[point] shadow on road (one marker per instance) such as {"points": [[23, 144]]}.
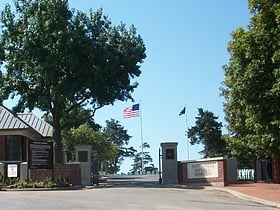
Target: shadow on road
{"points": [[142, 181], [132, 181]]}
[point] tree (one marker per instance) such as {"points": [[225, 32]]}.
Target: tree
{"points": [[117, 135], [75, 118], [142, 156], [252, 83], [84, 134], [207, 131], [58, 60]]}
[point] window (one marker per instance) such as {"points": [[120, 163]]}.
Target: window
{"points": [[13, 148]]}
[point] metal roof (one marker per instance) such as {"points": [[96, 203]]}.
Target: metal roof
{"points": [[10, 122], [39, 125]]}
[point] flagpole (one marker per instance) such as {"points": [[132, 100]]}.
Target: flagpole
{"points": [[135, 111], [142, 150], [186, 133]]}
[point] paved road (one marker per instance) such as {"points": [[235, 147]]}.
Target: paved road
{"points": [[126, 194]]}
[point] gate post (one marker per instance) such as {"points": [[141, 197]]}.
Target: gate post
{"points": [[83, 155], [95, 167], [276, 170], [169, 163]]}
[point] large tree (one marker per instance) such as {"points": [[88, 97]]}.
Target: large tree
{"points": [[141, 161], [117, 135], [57, 59], [208, 131], [252, 83]]}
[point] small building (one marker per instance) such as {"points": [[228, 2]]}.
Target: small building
{"points": [[26, 149], [15, 134]]}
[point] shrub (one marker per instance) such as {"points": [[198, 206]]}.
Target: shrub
{"points": [[49, 182]]}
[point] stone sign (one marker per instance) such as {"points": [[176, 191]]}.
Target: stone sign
{"points": [[200, 170]]}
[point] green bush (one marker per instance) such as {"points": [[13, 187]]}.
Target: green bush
{"points": [[11, 181], [61, 181], [49, 182]]}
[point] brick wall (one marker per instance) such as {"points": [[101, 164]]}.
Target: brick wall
{"points": [[221, 179], [69, 171], [40, 174]]}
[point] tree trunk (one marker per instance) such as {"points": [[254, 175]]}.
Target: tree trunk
{"points": [[58, 147]]}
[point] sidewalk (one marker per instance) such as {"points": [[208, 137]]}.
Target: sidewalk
{"points": [[265, 193]]}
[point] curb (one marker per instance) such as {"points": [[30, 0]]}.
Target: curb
{"points": [[45, 189], [248, 197], [77, 187]]}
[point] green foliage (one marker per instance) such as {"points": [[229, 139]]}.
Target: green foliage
{"points": [[74, 118], [110, 143], [207, 131], [84, 134], [252, 83], [117, 135], [56, 59], [142, 156], [59, 181], [11, 181], [49, 182]]}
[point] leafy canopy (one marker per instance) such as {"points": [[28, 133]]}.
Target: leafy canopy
{"points": [[141, 161], [208, 131], [252, 83], [117, 135], [56, 59], [85, 135], [54, 55]]}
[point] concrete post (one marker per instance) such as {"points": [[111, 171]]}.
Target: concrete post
{"points": [[169, 163], [24, 171], [83, 156]]}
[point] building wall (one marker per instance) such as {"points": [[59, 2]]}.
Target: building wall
{"points": [[2, 148], [25, 149], [69, 171]]}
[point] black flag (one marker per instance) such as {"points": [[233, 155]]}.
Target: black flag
{"points": [[183, 111]]}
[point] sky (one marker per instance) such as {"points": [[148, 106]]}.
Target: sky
{"points": [[186, 46]]}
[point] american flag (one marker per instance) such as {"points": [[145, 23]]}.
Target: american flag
{"points": [[132, 111]]}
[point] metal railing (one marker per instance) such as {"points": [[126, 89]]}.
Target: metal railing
{"points": [[245, 174]]}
